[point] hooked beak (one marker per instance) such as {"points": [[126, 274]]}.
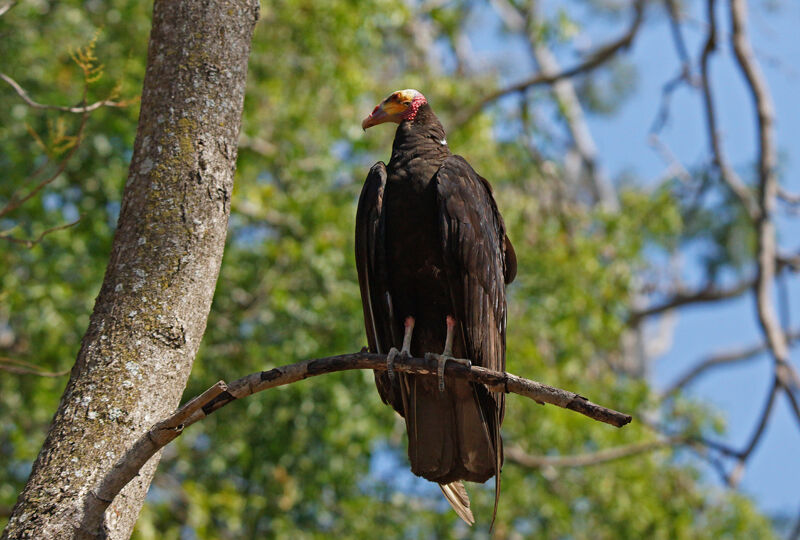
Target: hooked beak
{"points": [[389, 110], [378, 116]]}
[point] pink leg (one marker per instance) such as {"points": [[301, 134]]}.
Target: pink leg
{"points": [[405, 351], [448, 352]]}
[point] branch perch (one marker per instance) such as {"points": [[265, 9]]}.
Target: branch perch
{"points": [[222, 394]]}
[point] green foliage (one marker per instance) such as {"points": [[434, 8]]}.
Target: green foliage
{"points": [[324, 457]]}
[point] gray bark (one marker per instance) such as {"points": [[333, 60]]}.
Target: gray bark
{"points": [[152, 309]]}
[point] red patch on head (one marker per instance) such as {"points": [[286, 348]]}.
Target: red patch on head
{"points": [[418, 101]]}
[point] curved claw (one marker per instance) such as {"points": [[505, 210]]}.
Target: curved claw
{"points": [[393, 352], [441, 360]]}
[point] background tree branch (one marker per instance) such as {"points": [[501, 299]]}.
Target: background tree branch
{"points": [[83, 109], [727, 173], [719, 360], [517, 455], [593, 60]]}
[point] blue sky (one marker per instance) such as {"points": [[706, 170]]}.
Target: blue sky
{"points": [[772, 474]]}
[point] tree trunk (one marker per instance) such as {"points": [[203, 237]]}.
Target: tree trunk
{"points": [[153, 306]]}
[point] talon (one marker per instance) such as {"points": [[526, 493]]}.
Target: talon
{"points": [[442, 360], [393, 352]]}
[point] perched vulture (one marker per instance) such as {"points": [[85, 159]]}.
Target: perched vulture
{"points": [[433, 262]]}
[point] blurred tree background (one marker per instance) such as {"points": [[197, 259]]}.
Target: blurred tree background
{"points": [[325, 458]]}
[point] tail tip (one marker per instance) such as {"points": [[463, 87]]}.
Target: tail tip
{"points": [[456, 495]]}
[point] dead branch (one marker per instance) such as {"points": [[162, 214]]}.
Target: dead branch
{"points": [[29, 243], [77, 110], [711, 293], [520, 457], [684, 74], [794, 403], [571, 110], [789, 261], [20, 367], [722, 359], [736, 474], [222, 394], [727, 173], [708, 294], [768, 181], [673, 11], [675, 168], [788, 197], [594, 60], [527, 22]]}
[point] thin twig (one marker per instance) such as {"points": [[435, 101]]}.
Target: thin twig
{"points": [[16, 202], [28, 243], [77, 110], [728, 175], [787, 197], [594, 60], [790, 261], [677, 35], [793, 402], [21, 367], [221, 394], [684, 74], [722, 359], [674, 167], [519, 456], [736, 475], [571, 110], [708, 294]]}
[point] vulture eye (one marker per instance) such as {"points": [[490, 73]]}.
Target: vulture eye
{"points": [[406, 103]]}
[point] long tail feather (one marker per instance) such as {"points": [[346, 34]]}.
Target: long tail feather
{"points": [[456, 495], [498, 455]]}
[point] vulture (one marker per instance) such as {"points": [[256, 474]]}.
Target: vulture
{"points": [[433, 262]]}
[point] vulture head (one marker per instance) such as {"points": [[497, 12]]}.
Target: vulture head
{"points": [[399, 106]]}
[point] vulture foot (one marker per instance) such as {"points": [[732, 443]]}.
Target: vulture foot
{"points": [[393, 352], [405, 352], [442, 360], [448, 353]]}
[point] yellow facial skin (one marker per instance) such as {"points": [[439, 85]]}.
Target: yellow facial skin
{"points": [[390, 109]]}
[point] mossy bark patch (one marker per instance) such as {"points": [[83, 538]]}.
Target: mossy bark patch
{"points": [[151, 312]]}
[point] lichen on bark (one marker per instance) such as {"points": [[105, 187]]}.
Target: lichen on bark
{"points": [[151, 312]]}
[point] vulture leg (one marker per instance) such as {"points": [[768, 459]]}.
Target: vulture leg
{"points": [[448, 353], [405, 352]]}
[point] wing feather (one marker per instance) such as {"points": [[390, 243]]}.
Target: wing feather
{"points": [[371, 265], [479, 262]]}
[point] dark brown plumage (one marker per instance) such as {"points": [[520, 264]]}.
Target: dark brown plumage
{"points": [[430, 243]]}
